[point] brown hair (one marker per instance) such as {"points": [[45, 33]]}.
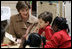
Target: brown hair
{"points": [[20, 5], [46, 16]]}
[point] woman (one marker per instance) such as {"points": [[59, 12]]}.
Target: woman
{"points": [[60, 38], [19, 23]]}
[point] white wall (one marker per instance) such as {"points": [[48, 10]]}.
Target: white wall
{"points": [[11, 4], [68, 14]]}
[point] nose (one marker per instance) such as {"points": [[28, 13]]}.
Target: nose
{"points": [[25, 12]]}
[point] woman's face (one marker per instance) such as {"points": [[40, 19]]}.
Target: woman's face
{"points": [[24, 12]]}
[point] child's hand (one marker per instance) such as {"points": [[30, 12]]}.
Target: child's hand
{"points": [[37, 28], [43, 34]]}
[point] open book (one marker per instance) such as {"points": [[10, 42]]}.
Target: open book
{"points": [[10, 37]]}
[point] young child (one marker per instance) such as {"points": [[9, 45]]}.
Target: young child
{"points": [[60, 38], [33, 40], [44, 22]]}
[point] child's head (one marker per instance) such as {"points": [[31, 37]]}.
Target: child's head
{"points": [[45, 19], [59, 23], [33, 40]]}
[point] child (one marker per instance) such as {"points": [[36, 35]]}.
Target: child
{"points": [[60, 38], [45, 20], [33, 40]]}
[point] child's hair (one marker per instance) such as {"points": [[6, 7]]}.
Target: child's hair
{"points": [[61, 23], [34, 40], [46, 16]]}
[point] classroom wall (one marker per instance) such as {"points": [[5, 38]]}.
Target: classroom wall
{"points": [[11, 4], [40, 8], [55, 8], [46, 7]]}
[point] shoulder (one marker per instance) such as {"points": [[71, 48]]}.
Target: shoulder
{"points": [[61, 32], [13, 16], [57, 35], [48, 27]]}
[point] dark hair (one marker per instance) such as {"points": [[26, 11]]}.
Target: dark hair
{"points": [[61, 23], [46, 16], [34, 40], [20, 5]]}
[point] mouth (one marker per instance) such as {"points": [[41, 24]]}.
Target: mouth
{"points": [[25, 14]]}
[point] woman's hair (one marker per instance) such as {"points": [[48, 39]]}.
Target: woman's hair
{"points": [[20, 5], [61, 23]]}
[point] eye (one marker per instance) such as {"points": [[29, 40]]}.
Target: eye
{"points": [[22, 10]]}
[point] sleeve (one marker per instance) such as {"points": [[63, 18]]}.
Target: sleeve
{"points": [[54, 42], [48, 34], [11, 27], [23, 43], [40, 31]]}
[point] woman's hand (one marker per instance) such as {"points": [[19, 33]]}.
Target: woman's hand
{"points": [[19, 41]]}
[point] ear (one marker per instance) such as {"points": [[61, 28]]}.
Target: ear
{"points": [[47, 23]]}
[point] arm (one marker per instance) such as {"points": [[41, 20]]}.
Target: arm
{"points": [[54, 42], [48, 34], [23, 39], [36, 28], [11, 28]]}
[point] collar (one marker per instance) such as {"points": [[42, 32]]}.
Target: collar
{"points": [[19, 18], [48, 26]]}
